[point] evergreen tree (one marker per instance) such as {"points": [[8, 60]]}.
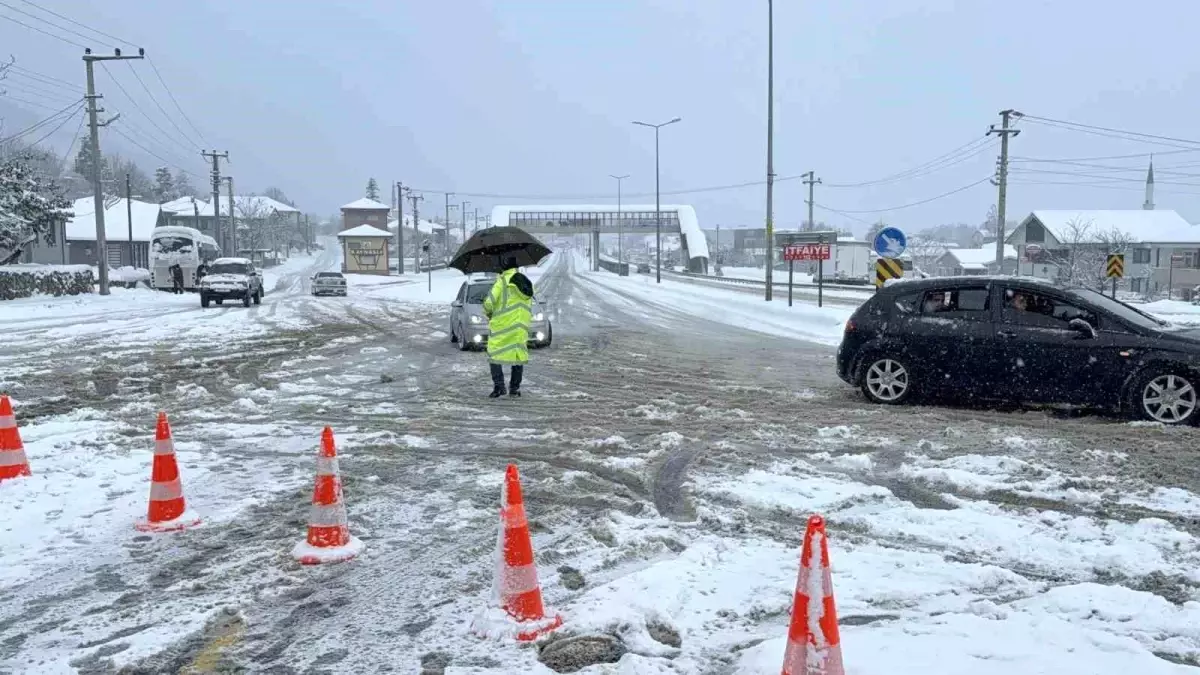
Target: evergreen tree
{"points": [[164, 185], [30, 206], [84, 163], [183, 185], [372, 190]]}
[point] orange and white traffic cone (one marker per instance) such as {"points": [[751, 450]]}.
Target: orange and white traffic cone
{"points": [[329, 539], [813, 643], [13, 463], [515, 589], [168, 510]]}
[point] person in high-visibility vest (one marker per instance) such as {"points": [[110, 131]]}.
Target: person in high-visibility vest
{"points": [[509, 309]]}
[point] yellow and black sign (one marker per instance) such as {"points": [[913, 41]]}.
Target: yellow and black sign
{"points": [[1116, 265], [887, 268]]}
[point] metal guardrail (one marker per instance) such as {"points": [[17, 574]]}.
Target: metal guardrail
{"points": [[864, 289]]}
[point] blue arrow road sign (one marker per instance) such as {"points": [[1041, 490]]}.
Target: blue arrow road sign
{"points": [[890, 242]]}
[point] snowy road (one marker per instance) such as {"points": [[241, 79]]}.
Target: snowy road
{"points": [[670, 454]]}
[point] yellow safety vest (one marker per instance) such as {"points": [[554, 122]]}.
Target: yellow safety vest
{"points": [[509, 313]]}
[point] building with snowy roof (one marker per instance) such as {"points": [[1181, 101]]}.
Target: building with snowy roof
{"points": [[1160, 247], [592, 219], [975, 261], [365, 212], [74, 241], [249, 211], [365, 249]]}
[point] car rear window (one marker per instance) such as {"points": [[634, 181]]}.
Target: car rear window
{"points": [[968, 302], [329, 275]]}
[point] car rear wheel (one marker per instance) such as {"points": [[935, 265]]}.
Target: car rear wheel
{"points": [[886, 380], [1168, 397]]}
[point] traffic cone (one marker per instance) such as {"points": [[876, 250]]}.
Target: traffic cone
{"points": [[813, 643], [515, 588], [13, 463], [168, 511], [329, 538]]}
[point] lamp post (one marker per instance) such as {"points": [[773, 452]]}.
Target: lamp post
{"points": [[657, 206], [620, 227]]}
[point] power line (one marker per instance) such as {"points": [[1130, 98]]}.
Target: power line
{"points": [[1100, 184], [1095, 159], [81, 25], [35, 104], [56, 37], [137, 108], [48, 134], [1092, 175], [938, 163], [49, 78], [911, 204], [67, 154], [1110, 130], [176, 102], [37, 125], [1116, 134], [44, 81], [156, 155], [160, 108], [54, 96]]}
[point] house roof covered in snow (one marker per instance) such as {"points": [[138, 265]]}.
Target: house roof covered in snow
{"points": [[245, 206], [365, 231], [979, 258], [426, 226], [689, 225], [82, 226], [1088, 227], [366, 204], [183, 205]]}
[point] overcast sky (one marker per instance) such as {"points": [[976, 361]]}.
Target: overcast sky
{"points": [[533, 99]]}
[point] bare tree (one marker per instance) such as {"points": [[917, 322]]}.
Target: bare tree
{"points": [[1084, 253], [925, 252]]}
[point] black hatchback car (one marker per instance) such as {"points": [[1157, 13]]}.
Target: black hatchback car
{"points": [[1022, 340]]}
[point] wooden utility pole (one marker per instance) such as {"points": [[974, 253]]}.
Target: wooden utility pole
{"points": [[400, 227], [770, 148], [1002, 179], [232, 216], [97, 189], [129, 216]]}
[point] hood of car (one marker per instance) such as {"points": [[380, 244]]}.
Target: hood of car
{"points": [[226, 278]]}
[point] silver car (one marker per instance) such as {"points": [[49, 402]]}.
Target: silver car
{"points": [[469, 325], [328, 283]]}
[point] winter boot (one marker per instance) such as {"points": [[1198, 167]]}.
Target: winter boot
{"points": [[498, 392]]}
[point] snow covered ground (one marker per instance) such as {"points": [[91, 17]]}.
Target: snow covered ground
{"points": [[672, 444]]}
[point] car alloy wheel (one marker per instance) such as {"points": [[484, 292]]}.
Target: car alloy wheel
{"points": [[887, 380], [1169, 399]]}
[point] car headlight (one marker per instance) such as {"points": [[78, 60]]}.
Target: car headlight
{"points": [[540, 316], [476, 319]]}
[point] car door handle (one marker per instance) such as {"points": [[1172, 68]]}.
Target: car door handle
{"points": [[1008, 334]]}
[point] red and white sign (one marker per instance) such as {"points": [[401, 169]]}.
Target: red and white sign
{"points": [[806, 252], [1032, 251]]}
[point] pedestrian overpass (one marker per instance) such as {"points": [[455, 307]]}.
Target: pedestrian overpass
{"points": [[595, 220]]}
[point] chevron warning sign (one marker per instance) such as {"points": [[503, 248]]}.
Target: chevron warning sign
{"points": [[887, 268], [1115, 269]]}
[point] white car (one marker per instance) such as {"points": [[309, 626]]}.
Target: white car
{"points": [[329, 283]]}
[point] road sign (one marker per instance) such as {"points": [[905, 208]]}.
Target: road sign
{"points": [[1115, 268], [885, 269], [890, 242], [806, 252], [1032, 251]]}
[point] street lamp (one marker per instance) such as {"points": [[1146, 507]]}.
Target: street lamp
{"points": [[620, 229], [657, 207]]}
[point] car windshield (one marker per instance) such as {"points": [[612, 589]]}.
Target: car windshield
{"points": [[173, 245], [1119, 309], [477, 293], [229, 268]]}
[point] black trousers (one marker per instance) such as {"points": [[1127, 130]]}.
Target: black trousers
{"points": [[518, 372]]}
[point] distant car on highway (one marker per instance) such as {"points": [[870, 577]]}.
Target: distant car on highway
{"points": [[643, 268], [469, 325], [1022, 340], [328, 283], [232, 279]]}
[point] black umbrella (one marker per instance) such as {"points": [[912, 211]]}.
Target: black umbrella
{"points": [[488, 250]]}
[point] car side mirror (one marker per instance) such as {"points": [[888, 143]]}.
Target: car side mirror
{"points": [[456, 303], [1082, 327]]}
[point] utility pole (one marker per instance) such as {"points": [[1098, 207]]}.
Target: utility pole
{"points": [[810, 181], [307, 236], [400, 227], [414, 198], [216, 190], [1002, 179], [129, 216], [475, 225], [97, 190], [232, 216], [462, 212], [770, 146], [446, 222], [620, 227]]}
